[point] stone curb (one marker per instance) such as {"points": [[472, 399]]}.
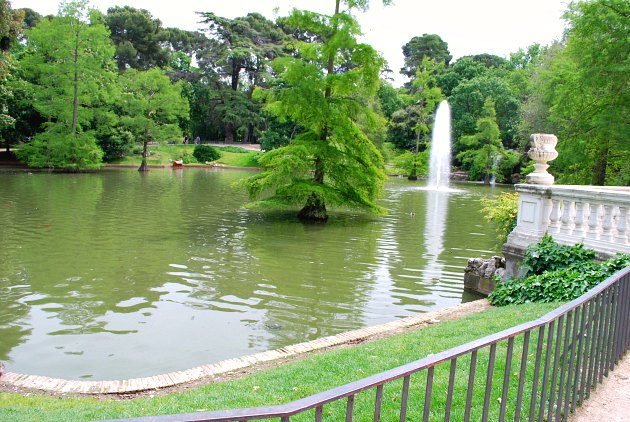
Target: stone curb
{"points": [[135, 385]]}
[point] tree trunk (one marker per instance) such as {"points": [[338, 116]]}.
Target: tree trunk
{"points": [[599, 167], [314, 211], [229, 133], [75, 99], [144, 166], [315, 208]]}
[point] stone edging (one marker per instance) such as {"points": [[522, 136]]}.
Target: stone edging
{"points": [[134, 385]]}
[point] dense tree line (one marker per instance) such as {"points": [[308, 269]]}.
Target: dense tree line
{"points": [[81, 88]]}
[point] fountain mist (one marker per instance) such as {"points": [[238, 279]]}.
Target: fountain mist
{"points": [[440, 154]]}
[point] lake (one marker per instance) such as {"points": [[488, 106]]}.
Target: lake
{"points": [[119, 274]]}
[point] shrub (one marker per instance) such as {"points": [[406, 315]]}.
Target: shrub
{"points": [[555, 273], [502, 211], [205, 153], [547, 255]]}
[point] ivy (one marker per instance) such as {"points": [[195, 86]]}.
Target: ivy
{"points": [[547, 255], [556, 273]]}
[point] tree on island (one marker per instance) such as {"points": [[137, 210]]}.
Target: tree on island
{"points": [[326, 87], [70, 69], [152, 107]]}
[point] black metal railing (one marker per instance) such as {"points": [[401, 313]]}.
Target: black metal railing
{"points": [[537, 371]]}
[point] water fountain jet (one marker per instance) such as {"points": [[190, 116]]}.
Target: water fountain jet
{"points": [[440, 153]]}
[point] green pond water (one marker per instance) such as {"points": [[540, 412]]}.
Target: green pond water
{"points": [[118, 274]]}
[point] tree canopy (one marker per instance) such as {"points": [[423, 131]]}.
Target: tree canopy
{"points": [[326, 87], [69, 65]]}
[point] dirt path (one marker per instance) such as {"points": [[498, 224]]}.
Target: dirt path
{"points": [[610, 402]]}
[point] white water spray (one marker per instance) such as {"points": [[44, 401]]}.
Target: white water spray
{"points": [[440, 153]]}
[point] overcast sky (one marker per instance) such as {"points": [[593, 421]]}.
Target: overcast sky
{"points": [[497, 27]]}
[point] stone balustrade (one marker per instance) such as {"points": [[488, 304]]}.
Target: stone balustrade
{"points": [[596, 216]]}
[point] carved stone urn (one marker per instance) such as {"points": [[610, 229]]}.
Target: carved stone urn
{"points": [[543, 149]]}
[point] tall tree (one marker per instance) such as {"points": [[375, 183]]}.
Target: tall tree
{"points": [[467, 102], [243, 48], [483, 146], [588, 94], [70, 67], [138, 38], [152, 107], [428, 45], [10, 23], [325, 88]]}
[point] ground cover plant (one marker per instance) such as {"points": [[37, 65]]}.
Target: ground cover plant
{"points": [[554, 273], [317, 373]]}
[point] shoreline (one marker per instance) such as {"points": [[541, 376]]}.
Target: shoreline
{"points": [[230, 368]]}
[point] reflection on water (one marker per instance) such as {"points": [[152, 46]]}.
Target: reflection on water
{"points": [[119, 274]]}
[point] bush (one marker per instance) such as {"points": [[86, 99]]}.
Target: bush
{"points": [[206, 153], [555, 273], [547, 255], [502, 211]]}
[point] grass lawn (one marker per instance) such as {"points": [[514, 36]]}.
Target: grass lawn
{"points": [[316, 373], [166, 154]]}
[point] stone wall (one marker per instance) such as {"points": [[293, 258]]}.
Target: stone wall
{"points": [[479, 274]]}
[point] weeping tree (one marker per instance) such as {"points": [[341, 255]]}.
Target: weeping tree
{"points": [[326, 88]]}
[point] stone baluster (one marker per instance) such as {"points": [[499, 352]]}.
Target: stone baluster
{"points": [[608, 223], [554, 216], [622, 227], [580, 227], [568, 208], [594, 227]]}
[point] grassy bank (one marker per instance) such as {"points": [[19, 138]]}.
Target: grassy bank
{"points": [[317, 373], [166, 154]]}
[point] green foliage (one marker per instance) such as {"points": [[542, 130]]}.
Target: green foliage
{"points": [[556, 273], [76, 42], [467, 103], [326, 88], [484, 147], [206, 153], [503, 212], [138, 38], [547, 255], [151, 105], [584, 95], [563, 284], [57, 148], [271, 139], [427, 46], [412, 164]]}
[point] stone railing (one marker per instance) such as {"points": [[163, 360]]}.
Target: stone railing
{"points": [[593, 215], [596, 216]]}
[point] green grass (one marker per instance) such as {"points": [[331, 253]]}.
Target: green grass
{"points": [[316, 373], [237, 159], [165, 154]]}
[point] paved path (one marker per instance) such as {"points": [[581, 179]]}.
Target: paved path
{"points": [[610, 402]]}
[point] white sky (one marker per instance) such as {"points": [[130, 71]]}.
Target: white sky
{"points": [[498, 27]]}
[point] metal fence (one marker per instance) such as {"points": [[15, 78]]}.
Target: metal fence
{"points": [[537, 371]]}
